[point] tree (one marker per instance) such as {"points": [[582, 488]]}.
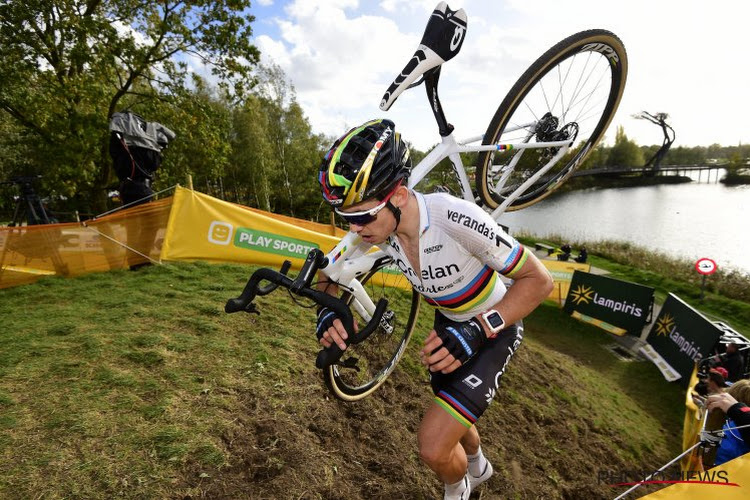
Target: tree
{"points": [[624, 153], [669, 136], [202, 120], [67, 66], [252, 156], [597, 158]]}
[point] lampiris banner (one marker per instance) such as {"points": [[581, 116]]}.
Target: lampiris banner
{"points": [[681, 336], [562, 275], [619, 303]]}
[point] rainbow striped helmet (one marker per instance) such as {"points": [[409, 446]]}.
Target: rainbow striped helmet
{"points": [[366, 162]]}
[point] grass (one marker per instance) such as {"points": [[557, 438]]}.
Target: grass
{"points": [[137, 385], [133, 368], [626, 396]]}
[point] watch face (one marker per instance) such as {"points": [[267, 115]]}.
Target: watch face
{"points": [[494, 320]]}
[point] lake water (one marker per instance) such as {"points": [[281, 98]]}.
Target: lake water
{"points": [[692, 220]]}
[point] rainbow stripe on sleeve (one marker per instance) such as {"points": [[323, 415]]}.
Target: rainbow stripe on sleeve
{"points": [[515, 261]]}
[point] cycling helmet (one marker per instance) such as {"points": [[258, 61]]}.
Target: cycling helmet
{"points": [[367, 162]]}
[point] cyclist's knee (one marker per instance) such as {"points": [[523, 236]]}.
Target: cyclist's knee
{"points": [[435, 455]]}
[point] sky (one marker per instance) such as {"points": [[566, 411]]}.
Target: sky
{"points": [[686, 58]]}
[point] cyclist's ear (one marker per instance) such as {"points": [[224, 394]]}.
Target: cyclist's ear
{"points": [[400, 196]]}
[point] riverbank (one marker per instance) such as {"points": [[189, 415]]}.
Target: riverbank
{"points": [[736, 178], [687, 221], [600, 182]]}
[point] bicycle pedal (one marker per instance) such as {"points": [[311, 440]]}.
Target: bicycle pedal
{"points": [[350, 362]]}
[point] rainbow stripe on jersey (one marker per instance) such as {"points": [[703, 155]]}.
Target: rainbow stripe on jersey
{"points": [[470, 296]]}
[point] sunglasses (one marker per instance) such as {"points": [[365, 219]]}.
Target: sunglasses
{"points": [[365, 216]]}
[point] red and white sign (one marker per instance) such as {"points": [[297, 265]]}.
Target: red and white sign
{"points": [[705, 266]]}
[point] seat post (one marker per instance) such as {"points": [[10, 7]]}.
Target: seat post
{"points": [[431, 85]]}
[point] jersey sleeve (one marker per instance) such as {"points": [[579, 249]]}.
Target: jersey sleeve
{"points": [[480, 235]]}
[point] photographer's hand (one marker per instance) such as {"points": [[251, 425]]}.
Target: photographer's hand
{"points": [[722, 401]]}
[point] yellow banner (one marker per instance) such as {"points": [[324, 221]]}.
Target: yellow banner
{"points": [[616, 330], [691, 427], [116, 241], [201, 227], [729, 481], [562, 274]]}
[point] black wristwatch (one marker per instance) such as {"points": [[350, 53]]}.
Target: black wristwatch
{"points": [[495, 323]]}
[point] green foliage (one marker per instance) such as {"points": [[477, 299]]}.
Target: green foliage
{"points": [[275, 155], [66, 67], [625, 153]]}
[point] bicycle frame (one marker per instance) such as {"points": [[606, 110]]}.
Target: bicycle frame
{"points": [[451, 149], [346, 262]]}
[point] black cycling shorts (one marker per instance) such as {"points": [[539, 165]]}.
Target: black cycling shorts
{"points": [[467, 392]]}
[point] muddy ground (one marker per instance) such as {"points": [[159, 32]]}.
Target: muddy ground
{"points": [[297, 442]]}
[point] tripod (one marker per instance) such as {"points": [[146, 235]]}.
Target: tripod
{"points": [[29, 205], [29, 208]]}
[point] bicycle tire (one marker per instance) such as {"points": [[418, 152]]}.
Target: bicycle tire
{"points": [[378, 355], [528, 97]]}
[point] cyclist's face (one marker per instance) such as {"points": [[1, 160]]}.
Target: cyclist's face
{"points": [[370, 219], [378, 227]]}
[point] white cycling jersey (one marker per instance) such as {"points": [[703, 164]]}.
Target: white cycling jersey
{"points": [[461, 250]]}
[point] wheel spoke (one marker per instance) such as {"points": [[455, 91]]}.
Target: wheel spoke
{"points": [[570, 94], [365, 366]]}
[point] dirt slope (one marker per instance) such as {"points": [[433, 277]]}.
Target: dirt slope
{"points": [[294, 441]]}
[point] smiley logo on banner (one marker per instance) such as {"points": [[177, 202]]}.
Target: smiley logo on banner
{"points": [[582, 294], [664, 324]]}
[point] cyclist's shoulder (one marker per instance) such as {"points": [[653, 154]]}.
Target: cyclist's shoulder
{"points": [[445, 201], [450, 212]]}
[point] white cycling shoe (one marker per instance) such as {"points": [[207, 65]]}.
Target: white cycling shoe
{"points": [[476, 481]]}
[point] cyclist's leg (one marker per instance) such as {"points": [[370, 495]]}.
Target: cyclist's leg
{"points": [[470, 441], [439, 447], [462, 397]]}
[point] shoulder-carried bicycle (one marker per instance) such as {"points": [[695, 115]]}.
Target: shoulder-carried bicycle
{"points": [[551, 119]]}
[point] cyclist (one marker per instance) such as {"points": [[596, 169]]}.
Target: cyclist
{"points": [[452, 252]]}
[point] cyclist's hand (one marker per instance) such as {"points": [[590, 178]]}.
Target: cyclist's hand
{"points": [[330, 329], [435, 357], [452, 344]]}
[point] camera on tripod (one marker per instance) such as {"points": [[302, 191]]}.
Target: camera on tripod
{"points": [[29, 206]]}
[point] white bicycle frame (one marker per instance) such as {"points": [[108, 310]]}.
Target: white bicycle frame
{"points": [[347, 261]]}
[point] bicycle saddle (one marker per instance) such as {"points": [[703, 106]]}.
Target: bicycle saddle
{"points": [[441, 41]]}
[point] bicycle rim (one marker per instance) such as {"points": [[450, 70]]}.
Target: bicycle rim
{"points": [[378, 355], [571, 91]]}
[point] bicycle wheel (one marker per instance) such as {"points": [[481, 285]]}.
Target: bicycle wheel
{"points": [[571, 92], [365, 366]]}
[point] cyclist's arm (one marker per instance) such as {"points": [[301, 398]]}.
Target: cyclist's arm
{"points": [[348, 247], [532, 284]]}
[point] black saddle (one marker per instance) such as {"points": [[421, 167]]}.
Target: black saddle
{"points": [[442, 39]]}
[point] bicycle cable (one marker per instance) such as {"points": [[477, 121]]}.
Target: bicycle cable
{"points": [[297, 301]]}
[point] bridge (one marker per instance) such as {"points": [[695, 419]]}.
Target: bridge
{"points": [[616, 171]]}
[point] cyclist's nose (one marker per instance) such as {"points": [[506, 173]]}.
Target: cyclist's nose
{"points": [[355, 228]]}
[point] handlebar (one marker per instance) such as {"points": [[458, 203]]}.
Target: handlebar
{"points": [[301, 286]]}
